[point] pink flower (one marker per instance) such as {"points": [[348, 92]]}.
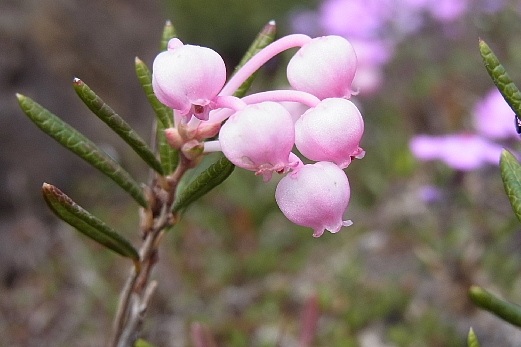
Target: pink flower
{"points": [[186, 78], [493, 117], [259, 138], [315, 196], [331, 131], [324, 67], [465, 152]]}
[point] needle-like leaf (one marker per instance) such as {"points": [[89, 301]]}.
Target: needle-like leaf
{"points": [[472, 339], [86, 223], [168, 155], [168, 33], [76, 142], [164, 114], [500, 77], [507, 311], [116, 123], [202, 184], [511, 175]]}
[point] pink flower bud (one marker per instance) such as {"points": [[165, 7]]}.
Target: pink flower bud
{"points": [[259, 138], [324, 67], [331, 131], [186, 78], [315, 196]]}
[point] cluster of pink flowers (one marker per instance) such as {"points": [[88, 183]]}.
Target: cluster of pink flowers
{"points": [[493, 121], [260, 133]]}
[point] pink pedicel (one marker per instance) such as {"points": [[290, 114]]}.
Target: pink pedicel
{"points": [[324, 67], [331, 131], [259, 138], [315, 196], [187, 78]]}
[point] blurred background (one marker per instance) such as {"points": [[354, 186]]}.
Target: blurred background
{"points": [[424, 230]]}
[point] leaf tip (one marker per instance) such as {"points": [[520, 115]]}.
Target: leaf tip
{"points": [[76, 81], [48, 190], [474, 289], [505, 155], [20, 97], [270, 28]]}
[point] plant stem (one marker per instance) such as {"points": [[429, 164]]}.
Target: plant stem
{"points": [[138, 289]]}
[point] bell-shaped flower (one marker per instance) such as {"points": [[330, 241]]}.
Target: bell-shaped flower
{"points": [[186, 78], [324, 67], [259, 138], [315, 196], [331, 131]]}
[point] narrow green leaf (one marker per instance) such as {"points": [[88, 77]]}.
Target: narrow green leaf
{"points": [[511, 175], [142, 343], [500, 78], [168, 155], [116, 123], [202, 184], [264, 38], [76, 142], [168, 33], [86, 223], [164, 114], [472, 339], [507, 311]]}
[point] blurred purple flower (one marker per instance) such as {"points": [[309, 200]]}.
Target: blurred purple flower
{"points": [[448, 10], [464, 152], [372, 56], [493, 117], [355, 18]]}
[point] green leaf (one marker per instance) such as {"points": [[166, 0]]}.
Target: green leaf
{"points": [[500, 78], [168, 33], [142, 343], [86, 223], [116, 123], [511, 175], [76, 142], [264, 38], [168, 155], [164, 114], [507, 311], [202, 184], [472, 339]]}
